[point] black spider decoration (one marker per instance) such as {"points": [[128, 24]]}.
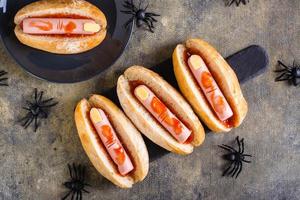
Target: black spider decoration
{"points": [[37, 109], [3, 79], [235, 157], [139, 15], [289, 73], [237, 2], [77, 183]]}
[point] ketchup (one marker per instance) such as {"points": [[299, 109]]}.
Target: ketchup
{"points": [[161, 110], [70, 27], [42, 25]]}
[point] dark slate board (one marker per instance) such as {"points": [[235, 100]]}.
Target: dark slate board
{"points": [[247, 64]]}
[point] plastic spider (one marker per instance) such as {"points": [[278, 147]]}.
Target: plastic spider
{"points": [[289, 73], [37, 109], [139, 15], [235, 157], [77, 182], [237, 2], [3, 79]]}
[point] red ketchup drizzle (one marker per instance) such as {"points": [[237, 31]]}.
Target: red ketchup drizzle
{"points": [[161, 109]]}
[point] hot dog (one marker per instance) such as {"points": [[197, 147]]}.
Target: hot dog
{"points": [[159, 111], [114, 146], [61, 26], [210, 85]]}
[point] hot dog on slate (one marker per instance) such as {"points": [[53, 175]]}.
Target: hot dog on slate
{"points": [[114, 146], [61, 26], [210, 85], [159, 111]]}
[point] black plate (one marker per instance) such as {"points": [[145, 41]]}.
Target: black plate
{"points": [[247, 64], [68, 68]]}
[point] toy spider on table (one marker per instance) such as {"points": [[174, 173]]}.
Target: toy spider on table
{"points": [[139, 15], [237, 2], [77, 183], [236, 158], [289, 73], [3, 79], [38, 108]]}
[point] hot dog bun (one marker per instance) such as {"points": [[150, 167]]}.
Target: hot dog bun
{"points": [[145, 122], [223, 75], [61, 44], [127, 133]]}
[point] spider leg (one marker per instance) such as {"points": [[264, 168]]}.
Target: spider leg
{"points": [[150, 22], [233, 169], [236, 169], [247, 155], [229, 147], [72, 195], [43, 104], [28, 103], [226, 148], [80, 195], [28, 115], [282, 77], [25, 108], [239, 144], [40, 96], [146, 6], [151, 18], [153, 14], [129, 5], [128, 22], [282, 70], [35, 123], [133, 6], [229, 2], [75, 171], [28, 122], [241, 167], [3, 79], [85, 190], [242, 142], [35, 94], [283, 65], [226, 170], [77, 195], [149, 26], [3, 73], [247, 161], [43, 113], [70, 171], [67, 195]]}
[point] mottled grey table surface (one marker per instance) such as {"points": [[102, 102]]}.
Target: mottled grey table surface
{"points": [[33, 165]]}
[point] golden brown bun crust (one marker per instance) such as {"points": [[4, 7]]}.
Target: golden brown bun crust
{"points": [[222, 73], [144, 121], [61, 45], [130, 137]]}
